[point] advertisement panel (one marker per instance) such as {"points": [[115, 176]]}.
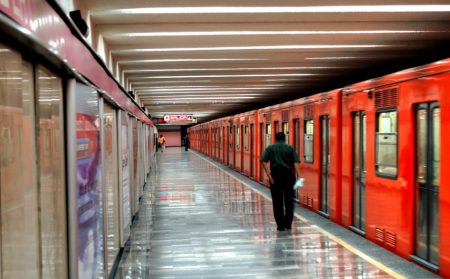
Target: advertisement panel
{"points": [[125, 177], [89, 202]]}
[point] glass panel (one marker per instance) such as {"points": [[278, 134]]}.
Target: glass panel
{"points": [[53, 195], [111, 184], [309, 126], [286, 131], [268, 134], [387, 154], [434, 227], [362, 179], [363, 202], [356, 142], [297, 135], [246, 138], [230, 137], [276, 127], [387, 122], [421, 223], [238, 137], [309, 141], [436, 145], [421, 137], [364, 143], [324, 150], [89, 200], [19, 237], [386, 139], [356, 170]]}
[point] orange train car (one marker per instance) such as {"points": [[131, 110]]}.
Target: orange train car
{"points": [[371, 156], [316, 122], [393, 130], [244, 131]]}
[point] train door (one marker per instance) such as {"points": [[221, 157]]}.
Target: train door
{"points": [[252, 150], [231, 147], [325, 164], [227, 146], [427, 184], [297, 144], [215, 143], [220, 144], [359, 171], [237, 146], [261, 149]]}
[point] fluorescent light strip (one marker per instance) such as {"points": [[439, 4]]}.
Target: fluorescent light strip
{"points": [[169, 82], [228, 76], [204, 89], [197, 96], [224, 69], [333, 58], [258, 33], [167, 88], [245, 48], [208, 93], [204, 98], [277, 9], [190, 60]]}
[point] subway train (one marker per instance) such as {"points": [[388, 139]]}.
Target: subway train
{"points": [[370, 154], [75, 150]]}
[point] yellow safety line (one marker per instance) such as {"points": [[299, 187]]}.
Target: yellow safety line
{"points": [[350, 247]]}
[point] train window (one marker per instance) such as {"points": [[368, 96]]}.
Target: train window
{"points": [[230, 137], [421, 140], [286, 131], [268, 134], [386, 144], [276, 127], [238, 137], [308, 143], [246, 138], [436, 145], [297, 135]]}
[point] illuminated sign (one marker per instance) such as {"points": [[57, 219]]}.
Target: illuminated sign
{"points": [[180, 119]]}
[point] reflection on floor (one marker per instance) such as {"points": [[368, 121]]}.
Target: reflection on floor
{"points": [[196, 221]]}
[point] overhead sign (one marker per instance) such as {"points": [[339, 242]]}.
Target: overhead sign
{"points": [[180, 119]]}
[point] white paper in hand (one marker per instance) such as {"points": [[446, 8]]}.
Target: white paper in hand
{"points": [[299, 183]]}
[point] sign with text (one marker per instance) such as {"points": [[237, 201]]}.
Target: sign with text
{"points": [[180, 119]]}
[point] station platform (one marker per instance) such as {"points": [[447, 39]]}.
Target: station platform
{"points": [[200, 219]]}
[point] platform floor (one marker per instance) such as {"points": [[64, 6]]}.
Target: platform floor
{"points": [[200, 219]]}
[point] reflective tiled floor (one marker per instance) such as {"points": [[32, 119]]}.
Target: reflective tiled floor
{"points": [[196, 221]]}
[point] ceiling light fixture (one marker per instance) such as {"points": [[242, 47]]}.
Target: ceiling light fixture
{"points": [[278, 9], [188, 60], [244, 48], [228, 76], [223, 69], [265, 33]]}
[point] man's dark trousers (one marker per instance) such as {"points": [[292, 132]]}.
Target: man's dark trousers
{"points": [[282, 196]]}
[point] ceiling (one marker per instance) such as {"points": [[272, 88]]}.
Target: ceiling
{"points": [[211, 58]]}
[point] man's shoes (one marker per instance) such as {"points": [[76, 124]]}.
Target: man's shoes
{"points": [[280, 229]]}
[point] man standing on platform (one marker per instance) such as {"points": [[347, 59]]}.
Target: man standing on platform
{"points": [[281, 164], [162, 142], [187, 143]]}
